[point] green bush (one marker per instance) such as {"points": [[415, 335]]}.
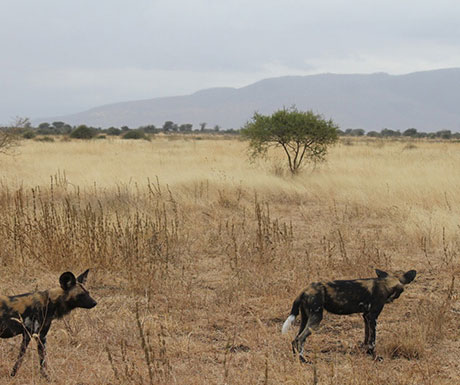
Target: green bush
{"points": [[83, 132], [134, 134], [113, 131], [28, 135]]}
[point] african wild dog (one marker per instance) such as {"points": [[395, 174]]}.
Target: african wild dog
{"points": [[367, 296], [31, 314]]}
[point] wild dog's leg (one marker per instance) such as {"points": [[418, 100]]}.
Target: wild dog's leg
{"points": [[41, 347], [372, 323], [314, 319], [22, 351], [313, 308], [366, 330], [303, 323]]}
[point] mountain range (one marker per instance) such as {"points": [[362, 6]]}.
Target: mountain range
{"points": [[427, 101]]}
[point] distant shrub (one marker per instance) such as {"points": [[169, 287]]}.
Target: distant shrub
{"points": [[444, 134], [150, 129], [357, 132], [412, 132], [29, 135], [101, 137], [389, 133], [113, 131], [83, 132], [134, 134]]}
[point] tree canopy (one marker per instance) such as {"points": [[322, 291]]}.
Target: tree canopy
{"points": [[83, 132], [302, 135]]}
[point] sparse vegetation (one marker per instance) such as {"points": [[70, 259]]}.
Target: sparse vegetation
{"points": [[48, 139], [196, 257]]}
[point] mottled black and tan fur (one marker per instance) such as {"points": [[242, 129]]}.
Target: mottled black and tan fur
{"points": [[31, 314], [367, 296]]}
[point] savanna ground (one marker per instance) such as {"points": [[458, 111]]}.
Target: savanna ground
{"points": [[196, 257]]}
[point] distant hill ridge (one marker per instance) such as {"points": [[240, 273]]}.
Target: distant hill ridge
{"points": [[427, 101]]}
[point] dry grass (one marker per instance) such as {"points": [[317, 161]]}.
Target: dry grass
{"points": [[197, 255]]}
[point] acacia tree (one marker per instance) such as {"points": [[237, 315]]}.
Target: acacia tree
{"points": [[8, 140], [302, 135], [9, 136]]}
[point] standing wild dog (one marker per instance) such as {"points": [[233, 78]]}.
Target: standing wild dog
{"points": [[367, 296], [31, 314]]}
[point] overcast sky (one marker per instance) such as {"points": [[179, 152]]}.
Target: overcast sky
{"points": [[64, 56]]}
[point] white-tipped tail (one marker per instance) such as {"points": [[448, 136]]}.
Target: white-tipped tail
{"points": [[287, 324]]}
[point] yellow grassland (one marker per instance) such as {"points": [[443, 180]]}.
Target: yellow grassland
{"points": [[196, 255]]}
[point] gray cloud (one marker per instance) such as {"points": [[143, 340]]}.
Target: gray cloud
{"points": [[60, 56]]}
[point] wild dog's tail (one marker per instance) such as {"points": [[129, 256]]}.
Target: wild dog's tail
{"points": [[294, 313]]}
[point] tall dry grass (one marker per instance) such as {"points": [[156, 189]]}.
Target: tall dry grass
{"points": [[197, 255]]}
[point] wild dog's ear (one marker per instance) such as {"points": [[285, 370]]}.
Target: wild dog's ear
{"points": [[82, 277], [408, 277], [381, 273], [67, 280]]}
